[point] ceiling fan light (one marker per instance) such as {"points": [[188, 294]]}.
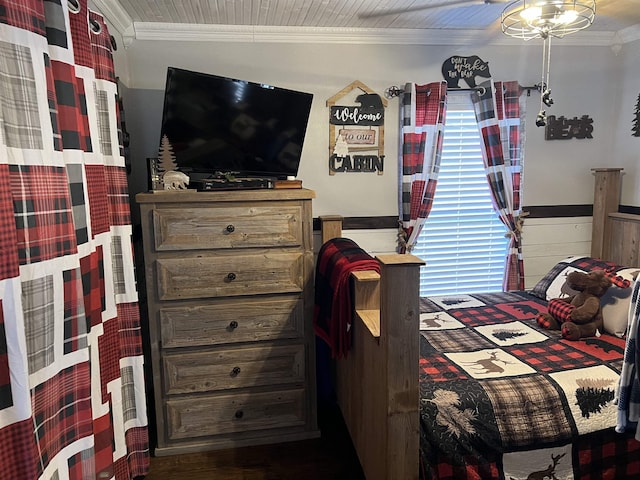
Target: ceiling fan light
{"points": [[566, 18], [527, 19], [529, 14]]}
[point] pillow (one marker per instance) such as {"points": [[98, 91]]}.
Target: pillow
{"points": [[615, 303]]}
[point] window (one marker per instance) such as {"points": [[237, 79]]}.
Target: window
{"points": [[463, 241]]}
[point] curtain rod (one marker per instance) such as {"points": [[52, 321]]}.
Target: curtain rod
{"points": [[394, 91]]}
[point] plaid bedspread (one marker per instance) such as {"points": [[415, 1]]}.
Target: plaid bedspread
{"points": [[502, 398]]}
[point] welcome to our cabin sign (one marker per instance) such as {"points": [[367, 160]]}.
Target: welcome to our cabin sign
{"points": [[356, 130]]}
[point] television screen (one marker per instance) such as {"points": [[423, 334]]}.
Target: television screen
{"points": [[224, 125]]}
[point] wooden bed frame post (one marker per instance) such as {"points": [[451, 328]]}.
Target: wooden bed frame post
{"points": [[377, 390], [605, 201], [400, 288], [331, 227]]}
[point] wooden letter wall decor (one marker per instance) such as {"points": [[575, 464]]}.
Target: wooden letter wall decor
{"points": [[356, 130], [562, 128]]}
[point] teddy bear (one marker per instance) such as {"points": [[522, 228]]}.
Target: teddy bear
{"points": [[580, 315]]}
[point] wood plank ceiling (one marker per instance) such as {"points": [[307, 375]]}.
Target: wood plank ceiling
{"points": [[612, 15]]}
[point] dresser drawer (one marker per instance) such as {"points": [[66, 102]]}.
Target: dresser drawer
{"points": [[275, 225], [226, 414], [232, 321], [208, 371], [229, 275]]}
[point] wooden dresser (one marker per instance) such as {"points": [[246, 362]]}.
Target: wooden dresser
{"points": [[229, 278]]}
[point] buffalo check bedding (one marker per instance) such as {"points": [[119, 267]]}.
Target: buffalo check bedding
{"points": [[502, 398]]}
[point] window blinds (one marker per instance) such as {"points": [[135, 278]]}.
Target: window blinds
{"points": [[463, 242]]}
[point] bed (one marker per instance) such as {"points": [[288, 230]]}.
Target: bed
{"points": [[497, 396]]}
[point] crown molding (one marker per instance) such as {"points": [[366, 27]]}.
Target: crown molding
{"points": [[629, 34], [388, 36], [117, 17]]}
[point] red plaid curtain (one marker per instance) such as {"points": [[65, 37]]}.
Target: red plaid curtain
{"points": [[72, 395], [500, 112], [423, 117]]}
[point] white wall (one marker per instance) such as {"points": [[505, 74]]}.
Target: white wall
{"points": [[589, 81], [578, 77], [626, 150]]}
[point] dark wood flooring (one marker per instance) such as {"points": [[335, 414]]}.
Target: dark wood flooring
{"points": [[330, 457]]}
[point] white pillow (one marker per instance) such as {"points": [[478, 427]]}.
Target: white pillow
{"points": [[615, 304]]}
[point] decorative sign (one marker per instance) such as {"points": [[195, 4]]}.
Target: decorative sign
{"points": [[369, 113], [458, 68], [356, 130], [358, 137], [562, 128]]}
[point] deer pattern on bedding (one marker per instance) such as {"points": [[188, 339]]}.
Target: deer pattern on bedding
{"points": [[502, 398]]}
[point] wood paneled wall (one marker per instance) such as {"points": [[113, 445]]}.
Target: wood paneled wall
{"points": [[545, 242]]}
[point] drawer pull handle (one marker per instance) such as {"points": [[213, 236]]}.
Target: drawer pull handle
{"points": [[233, 325], [231, 228], [239, 414], [231, 277], [235, 372]]}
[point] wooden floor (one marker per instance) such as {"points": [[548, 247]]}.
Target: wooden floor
{"points": [[330, 457]]}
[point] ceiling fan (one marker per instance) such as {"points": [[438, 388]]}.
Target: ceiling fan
{"points": [[417, 8]]}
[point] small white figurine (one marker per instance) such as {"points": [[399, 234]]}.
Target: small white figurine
{"points": [[174, 180]]}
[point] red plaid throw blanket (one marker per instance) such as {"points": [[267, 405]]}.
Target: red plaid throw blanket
{"points": [[333, 306]]}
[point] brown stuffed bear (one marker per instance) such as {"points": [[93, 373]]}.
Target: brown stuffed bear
{"points": [[579, 315]]}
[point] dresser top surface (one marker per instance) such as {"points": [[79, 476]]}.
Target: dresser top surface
{"points": [[186, 196]]}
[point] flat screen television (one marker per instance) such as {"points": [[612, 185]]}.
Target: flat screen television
{"points": [[219, 125]]}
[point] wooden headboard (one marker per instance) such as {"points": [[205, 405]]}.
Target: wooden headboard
{"points": [[615, 236]]}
